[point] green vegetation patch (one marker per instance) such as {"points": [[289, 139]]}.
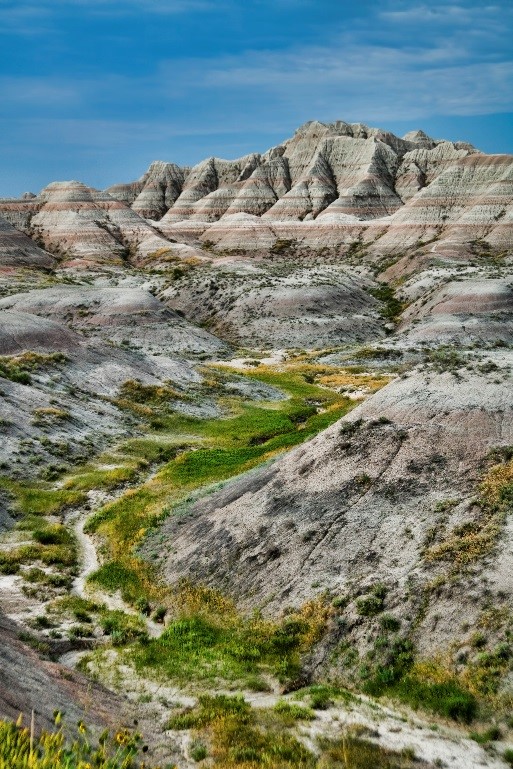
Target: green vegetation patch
{"points": [[249, 434], [237, 735], [108, 478], [17, 368], [217, 644], [353, 751], [449, 698], [391, 307], [40, 499], [114, 576]]}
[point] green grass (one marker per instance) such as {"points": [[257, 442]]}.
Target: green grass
{"points": [[113, 576], [249, 434], [213, 649], [50, 554], [292, 712], [351, 751], [391, 307], [40, 498], [106, 479], [448, 699]]}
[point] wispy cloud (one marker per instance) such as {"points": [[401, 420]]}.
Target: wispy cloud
{"points": [[40, 92], [24, 12], [449, 74], [454, 74]]}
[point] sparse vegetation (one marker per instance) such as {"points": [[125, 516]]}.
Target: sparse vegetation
{"points": [[18, 368], [392, 307], [233, 735], [20, 749], [472, 540]]}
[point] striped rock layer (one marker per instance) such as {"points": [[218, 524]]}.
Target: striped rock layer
{"points": [[328, 185], [83, 226], [331, 184]]}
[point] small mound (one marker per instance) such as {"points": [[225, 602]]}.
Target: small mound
{"points": [[21, 331]]}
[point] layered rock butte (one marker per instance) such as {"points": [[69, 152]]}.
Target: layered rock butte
{"points": [[330, 184]]}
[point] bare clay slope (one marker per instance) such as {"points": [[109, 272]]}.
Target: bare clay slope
{"points": [[357, 504], [28, 683], [17, 250]]}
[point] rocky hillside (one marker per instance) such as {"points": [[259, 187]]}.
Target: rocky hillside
{"points": [[389, 495], [256, 427]]}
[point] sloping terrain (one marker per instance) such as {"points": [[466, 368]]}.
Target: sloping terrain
{"points": [[28, 684], [355, 505], [84, 227], [256, 436], [129, 314], [18, 251], [279, 303]]}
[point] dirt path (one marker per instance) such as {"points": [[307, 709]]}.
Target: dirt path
{"points": [[89, 563], [438, 744]]}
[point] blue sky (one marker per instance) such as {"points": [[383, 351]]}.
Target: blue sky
{"points": [[97, 89]]}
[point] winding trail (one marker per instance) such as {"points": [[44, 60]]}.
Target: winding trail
{"points": [[89, 563], [87, 555]]}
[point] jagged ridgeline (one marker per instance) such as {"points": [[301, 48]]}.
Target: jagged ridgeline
{"points": [[256, 461], [329, 184]]}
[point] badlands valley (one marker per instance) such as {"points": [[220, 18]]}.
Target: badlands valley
{"points": [[256, 465]]}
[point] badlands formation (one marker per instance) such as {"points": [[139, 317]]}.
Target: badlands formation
{"points": [[279, 384]]}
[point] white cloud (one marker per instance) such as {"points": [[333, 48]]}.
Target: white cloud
{"points": [[364, 80]]}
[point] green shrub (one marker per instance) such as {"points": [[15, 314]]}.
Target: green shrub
{"points": [[369, 606], [56, 534], [293, 712], [198, 751], [388, 622], [121, 627], [321, 697], [489, 735]]}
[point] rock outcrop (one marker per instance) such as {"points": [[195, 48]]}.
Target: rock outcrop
{"points": [[462, 312], [471, 199], [155, 192], [84, 227], [358, 172], [327, 186]]}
